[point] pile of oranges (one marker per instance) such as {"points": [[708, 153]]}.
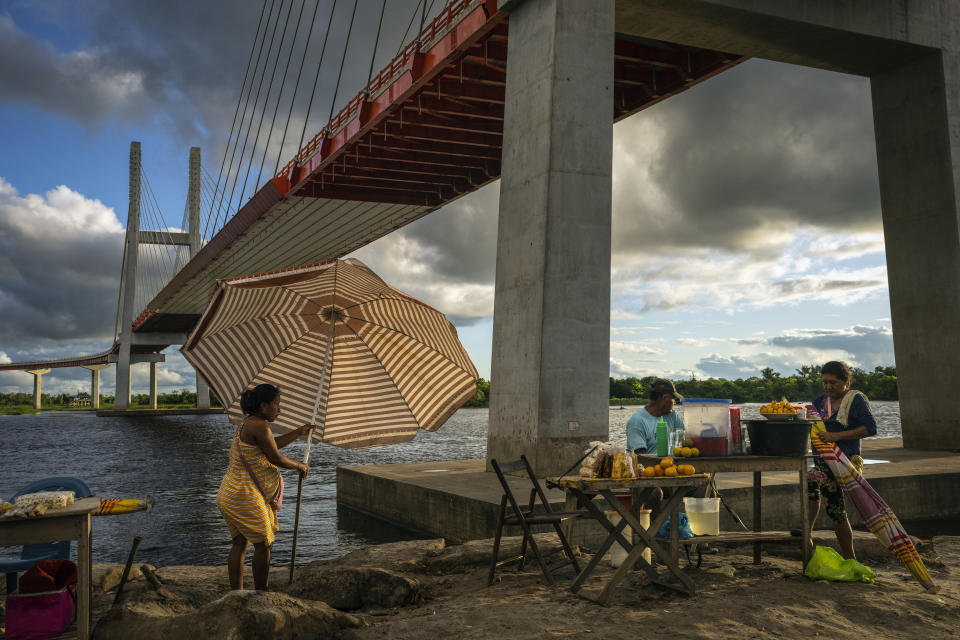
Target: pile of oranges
{"points": [[778, 407], [668, 469]]}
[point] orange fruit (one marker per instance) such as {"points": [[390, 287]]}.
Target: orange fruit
{"points": [[649, 472], [686, 452], [670, 472], [658, 470], [678, 452], [666, 462]]}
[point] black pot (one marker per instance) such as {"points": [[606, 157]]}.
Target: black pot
{"points": [[778, 437]]}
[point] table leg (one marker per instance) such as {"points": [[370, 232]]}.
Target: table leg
{"points": [[804, 515], [757, 493], [614, 535], [569, 506], [84, 579], [671, 507], [675, 530]]}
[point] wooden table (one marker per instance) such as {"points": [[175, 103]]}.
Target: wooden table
{"points": [[69, 523], [583, 491], [757, 465]]}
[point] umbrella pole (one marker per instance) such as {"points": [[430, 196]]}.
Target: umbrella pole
{"points": [[306, 452], [296, 529]]}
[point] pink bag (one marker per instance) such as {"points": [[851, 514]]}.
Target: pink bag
{"points": [[35, 616]]}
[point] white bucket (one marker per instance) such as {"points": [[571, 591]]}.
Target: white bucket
{"points": [[704, 515], [617, 553]]}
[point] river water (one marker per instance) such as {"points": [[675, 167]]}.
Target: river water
{"points": [[179, 460]]}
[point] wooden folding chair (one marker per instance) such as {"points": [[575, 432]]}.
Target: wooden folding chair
{"points": [[527, 517]]}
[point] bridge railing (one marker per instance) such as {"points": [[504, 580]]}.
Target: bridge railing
{"points": [[437, 26]]}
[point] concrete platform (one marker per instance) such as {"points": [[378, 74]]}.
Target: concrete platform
{"points": [[132, 413], [458, 500]]}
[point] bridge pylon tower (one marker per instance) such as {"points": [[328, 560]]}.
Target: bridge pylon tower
{"points": [[127, 311]]}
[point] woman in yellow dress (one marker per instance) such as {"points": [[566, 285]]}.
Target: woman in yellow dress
{"points": [[250, 491]]}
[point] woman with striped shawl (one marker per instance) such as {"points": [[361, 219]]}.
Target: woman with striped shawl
{"points": [[848, 419], [250, 493]]}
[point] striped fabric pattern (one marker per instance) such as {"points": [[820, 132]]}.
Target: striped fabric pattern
{"points": [[396, 365], [876, 514], [243, 507]]}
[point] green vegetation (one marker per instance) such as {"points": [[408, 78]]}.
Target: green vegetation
{"points": [[482, 399], [22, 403], [804, 385]]}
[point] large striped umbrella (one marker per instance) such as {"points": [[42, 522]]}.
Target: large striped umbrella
{"points": [[368, 364], [877, 516]]}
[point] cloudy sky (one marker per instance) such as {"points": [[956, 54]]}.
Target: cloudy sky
{"points": [[746, 213]]}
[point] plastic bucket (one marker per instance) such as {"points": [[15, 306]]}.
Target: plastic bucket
{"points": [[704, 515], [617, 553]]}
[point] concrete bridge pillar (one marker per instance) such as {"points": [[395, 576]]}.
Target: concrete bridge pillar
{"points": [[95, 383], [551, 331], [37, 385], [128, 283], [153, 385], [203, 393], [916, 112], [196, 243]]}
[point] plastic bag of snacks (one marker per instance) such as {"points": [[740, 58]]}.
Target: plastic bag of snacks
{"points": [[588, 463], [609, 461]]}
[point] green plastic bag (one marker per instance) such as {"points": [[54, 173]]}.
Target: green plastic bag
{"points": [[827, 564]]}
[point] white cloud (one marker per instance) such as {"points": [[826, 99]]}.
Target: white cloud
{"points": [[60, 257], [860, 345], [726, 280], [635, 347]]}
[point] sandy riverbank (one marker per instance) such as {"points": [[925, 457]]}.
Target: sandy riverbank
{"points": [[425, 589]]}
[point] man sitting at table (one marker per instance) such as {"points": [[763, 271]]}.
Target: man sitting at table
{"points": [[642, 430], [642, 426]]}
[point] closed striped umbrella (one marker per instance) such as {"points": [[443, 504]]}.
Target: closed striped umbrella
{"points": [[369, 364]]}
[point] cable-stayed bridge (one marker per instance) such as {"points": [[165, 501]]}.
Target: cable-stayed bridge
{"points": [[424, 131]]}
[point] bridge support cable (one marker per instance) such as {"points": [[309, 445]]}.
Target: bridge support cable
{"points": [[283, 82], [156, 219], [336, 90], [296, 86], [376, 44], [316, 78], [243, 118], [208, 195], [406, 32], [241, 198], [226, 148]]}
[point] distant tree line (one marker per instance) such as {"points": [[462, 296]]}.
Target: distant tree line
{"points": [[805, 384], [181, 398]]}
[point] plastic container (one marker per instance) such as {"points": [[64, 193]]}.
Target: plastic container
{"points": [[617, 553], [737, 447], [707, 423], [704, 515], [663, 442], [778, 437]]}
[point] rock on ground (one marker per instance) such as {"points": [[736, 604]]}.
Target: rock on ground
{"points": [[237, 615]]}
